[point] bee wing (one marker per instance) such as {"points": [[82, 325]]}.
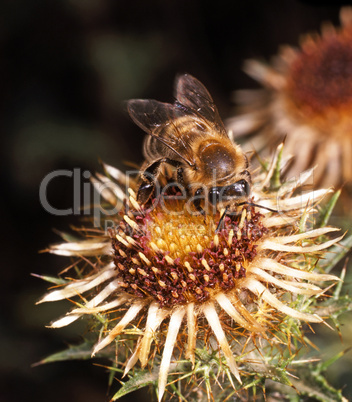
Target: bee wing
{"points": [[157, 120], [192, 94]]}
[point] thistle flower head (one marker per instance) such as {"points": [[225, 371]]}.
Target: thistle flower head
{"points": [[183, 286], [308, 98]]}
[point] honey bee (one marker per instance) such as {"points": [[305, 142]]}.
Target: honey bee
{"points": [[190, 136]]}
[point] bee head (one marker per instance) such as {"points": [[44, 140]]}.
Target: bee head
{"points": [[231, 194]]}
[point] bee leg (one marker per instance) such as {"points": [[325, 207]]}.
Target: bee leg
{"points": [[149, 176], [180, 176], [145, 191], [147, 186], [197, 200]]}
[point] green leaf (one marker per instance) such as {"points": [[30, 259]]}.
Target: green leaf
{"points": [[324, 365], [336, 253], [311, 382], [336, 307], [303, 221], [325, 212], [51, 279], [79, 352], [275, 181], [139, 380], [338, 287], [263, 163], [69, 237]]}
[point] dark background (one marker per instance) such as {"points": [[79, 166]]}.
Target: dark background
{"points": [[65, 68]]}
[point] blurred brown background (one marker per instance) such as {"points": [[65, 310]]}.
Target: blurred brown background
{"points": [[65, 69]]}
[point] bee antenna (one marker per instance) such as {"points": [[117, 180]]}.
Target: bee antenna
{"points": [[251, 204], [221, 219]]}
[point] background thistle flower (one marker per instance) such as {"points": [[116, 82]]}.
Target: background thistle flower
{"points": [[307, 99], [184, 298]]}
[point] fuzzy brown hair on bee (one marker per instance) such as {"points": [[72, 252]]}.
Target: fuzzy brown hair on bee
{"points": [[190, 136]]}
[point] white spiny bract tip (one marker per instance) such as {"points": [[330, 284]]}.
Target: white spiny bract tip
{"points": [[108, 190], [52, 296], [82, 248], [64, 321], [117, 174]]}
